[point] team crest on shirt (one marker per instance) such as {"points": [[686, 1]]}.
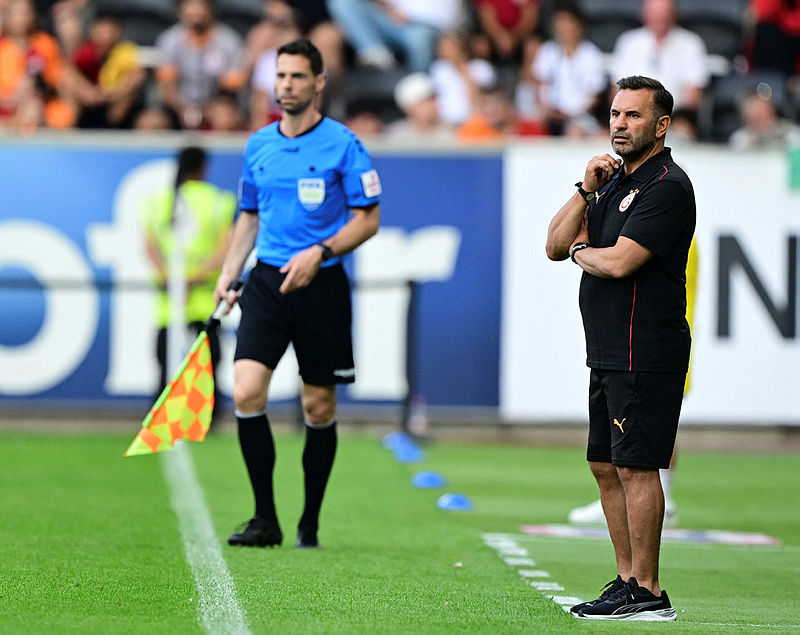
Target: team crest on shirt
{"points": [[311, 193], [626, 202]]}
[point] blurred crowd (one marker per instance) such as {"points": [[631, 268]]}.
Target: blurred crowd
{"points": [[408, 70]]}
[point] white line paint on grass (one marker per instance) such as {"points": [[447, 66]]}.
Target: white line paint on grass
{"points": [[218, 606], [504, 544], [513, 555]]}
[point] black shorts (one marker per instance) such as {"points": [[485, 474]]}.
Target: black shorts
{"points": [[315, 319], [633, 417]]}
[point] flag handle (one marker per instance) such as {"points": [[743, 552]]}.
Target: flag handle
{"points": [[213, 321]]}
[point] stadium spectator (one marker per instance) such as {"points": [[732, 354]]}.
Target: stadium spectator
{"points": [[415, 94], [497, 118], [762, 128], [156, 118], [458, 78], [111, 75], [663, 50], [198, 57], [64, 19], [569, 72], [263, 41], [364, 119], [209, 211], [683, 130], [34, 84], [223, 114], [776, 37], [410, 27], [316, 23], [504, 26]]}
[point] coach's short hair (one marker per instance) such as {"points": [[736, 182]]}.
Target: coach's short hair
{"points": [[662, 98], [303, 46]]}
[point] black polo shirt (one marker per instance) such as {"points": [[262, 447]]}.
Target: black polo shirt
{"points": [[638, 323]]}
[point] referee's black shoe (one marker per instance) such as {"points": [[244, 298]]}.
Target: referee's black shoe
{"points": [[257, 532], [634, 603], [607, 591], [306, 538]]}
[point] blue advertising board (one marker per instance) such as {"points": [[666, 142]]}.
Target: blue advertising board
{"points": [[69, 218]]}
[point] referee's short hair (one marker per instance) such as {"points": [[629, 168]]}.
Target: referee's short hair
{"points": [[662, 98], [303, 46]]}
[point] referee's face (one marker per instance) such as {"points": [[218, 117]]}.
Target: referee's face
{"points": [[296, 86], [634, 127]]}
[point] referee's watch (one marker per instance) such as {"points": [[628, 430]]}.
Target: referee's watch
{"points": [[327, 252], [586, 196], [575, 249]]}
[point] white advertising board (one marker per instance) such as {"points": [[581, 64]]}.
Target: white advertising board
{"points": [[746, 340]]}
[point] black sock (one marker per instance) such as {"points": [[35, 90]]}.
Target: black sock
{"points": [[317, 463], [258, 450]]}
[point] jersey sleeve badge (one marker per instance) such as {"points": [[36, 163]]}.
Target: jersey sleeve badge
{"points": [[371, 184]]}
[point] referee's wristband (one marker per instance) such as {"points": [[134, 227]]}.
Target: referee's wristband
{"points": [[575, 249], [327, 252]]}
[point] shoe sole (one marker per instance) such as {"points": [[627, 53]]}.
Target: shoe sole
{"points": [[247, 544], [662, 615]]}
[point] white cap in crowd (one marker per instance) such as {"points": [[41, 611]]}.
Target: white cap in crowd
{"points": [[414, 88]]}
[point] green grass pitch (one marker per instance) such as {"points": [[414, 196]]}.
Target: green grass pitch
{"points": [[90, 544]]}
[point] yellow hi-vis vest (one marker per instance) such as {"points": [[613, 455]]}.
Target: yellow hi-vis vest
{"points": [[212, 212]]}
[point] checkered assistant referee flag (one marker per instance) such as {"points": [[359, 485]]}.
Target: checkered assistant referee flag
{"points": [[183, 410]]}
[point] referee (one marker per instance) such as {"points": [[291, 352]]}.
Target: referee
{"points": [[308, 195], [629, 226]]}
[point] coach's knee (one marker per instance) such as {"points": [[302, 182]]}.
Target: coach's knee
{"points": [[603, 472]]}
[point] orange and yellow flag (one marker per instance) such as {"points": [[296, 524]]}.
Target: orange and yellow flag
{"points": [[183, 410]]}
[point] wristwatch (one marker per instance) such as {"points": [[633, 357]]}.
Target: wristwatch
{"points": [[587, 196], [327, 252], [575, 249]]}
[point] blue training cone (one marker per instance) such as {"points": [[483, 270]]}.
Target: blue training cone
{"points": [[430, 480], [454, 502]]}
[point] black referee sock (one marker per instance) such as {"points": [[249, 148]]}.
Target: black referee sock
{"points": [[318, 456], [258, 450]]}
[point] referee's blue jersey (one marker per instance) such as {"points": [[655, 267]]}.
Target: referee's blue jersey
{"points": [[303, 188]]}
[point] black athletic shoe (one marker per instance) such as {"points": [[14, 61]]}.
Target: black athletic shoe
{"points": [[257, 532], [606, 592], [306, 538], [632, 602]]}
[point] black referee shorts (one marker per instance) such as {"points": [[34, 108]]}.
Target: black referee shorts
{"points": [[315, 319], [633, 417]]}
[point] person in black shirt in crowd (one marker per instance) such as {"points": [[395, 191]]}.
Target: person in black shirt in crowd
{"points": [[629, 226]]}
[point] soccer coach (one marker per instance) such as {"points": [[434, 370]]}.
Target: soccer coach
{"points": [[629, 226]]}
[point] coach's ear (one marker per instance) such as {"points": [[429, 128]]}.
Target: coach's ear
{"points": [[662, 125]]}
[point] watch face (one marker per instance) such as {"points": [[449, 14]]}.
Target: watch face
{"points": [[590, 196]]}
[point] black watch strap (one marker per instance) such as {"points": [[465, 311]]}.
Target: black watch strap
{"points": [[587, 196], [327, 252], [575, 249]]}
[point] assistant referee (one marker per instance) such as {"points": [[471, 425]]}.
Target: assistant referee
{"points": [[629, 226], [309, 194]]}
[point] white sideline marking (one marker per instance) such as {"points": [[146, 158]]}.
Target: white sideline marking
{"points": [[218, 606], [513, 555]]}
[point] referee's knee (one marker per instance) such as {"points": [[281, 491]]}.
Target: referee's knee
{"points": [[248, 401]]}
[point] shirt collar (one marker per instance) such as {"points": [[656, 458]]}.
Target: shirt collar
{"points": [[651, 167]]}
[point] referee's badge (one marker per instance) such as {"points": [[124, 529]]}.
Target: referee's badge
{"points": [[311, 193], [626, 202]]}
